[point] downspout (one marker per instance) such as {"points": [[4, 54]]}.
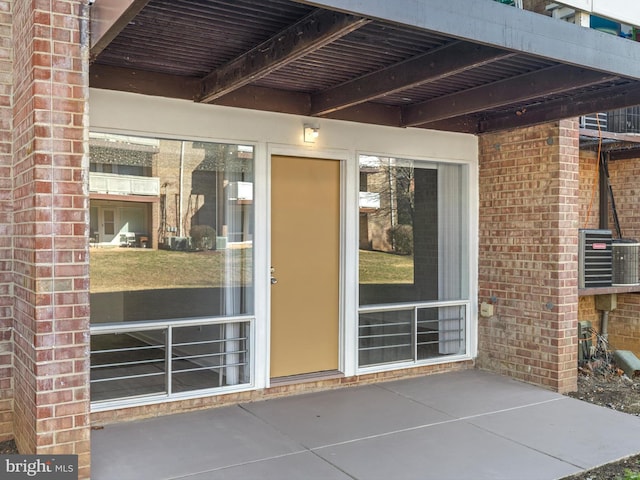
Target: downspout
{"points": [[606, 198], [604, 325], [604, 193]]}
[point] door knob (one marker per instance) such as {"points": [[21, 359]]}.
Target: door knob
{"points": [[274, 280]]}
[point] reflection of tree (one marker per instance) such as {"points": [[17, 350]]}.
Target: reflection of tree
{"points": [[395, 186]]}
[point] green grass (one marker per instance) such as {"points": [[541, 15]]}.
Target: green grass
{"points": [[381, 267], [118, 269]]}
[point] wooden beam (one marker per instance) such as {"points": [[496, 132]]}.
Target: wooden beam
{"points": [[428, 67], [596, 101], [267, 99], [465, 124], [108, 19], [522, 88], [630, 153], [371, 113], [313, 32], [140, 81]]}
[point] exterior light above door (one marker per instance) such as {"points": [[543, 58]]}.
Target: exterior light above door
{"points": [[311, 134]]}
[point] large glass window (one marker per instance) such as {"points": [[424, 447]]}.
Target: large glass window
{"points": [[172, 242], [413, 260]]}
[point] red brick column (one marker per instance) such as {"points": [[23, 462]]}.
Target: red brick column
{"points": [[6, 219], [50, 241], [529, 208]]}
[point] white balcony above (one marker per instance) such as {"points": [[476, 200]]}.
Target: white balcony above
{"points": [[113, 184], [623, 11], [369, 201], [240, 191]]}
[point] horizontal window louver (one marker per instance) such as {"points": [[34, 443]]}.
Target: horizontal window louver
{"points": [[595, 258]]}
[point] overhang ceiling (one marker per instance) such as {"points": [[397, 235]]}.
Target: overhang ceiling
{"points": [[471, 66]]}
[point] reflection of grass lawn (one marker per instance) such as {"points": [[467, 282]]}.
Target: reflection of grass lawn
{"points": [[381, 267], [116, 269]]}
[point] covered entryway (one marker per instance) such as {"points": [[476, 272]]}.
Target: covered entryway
{"points": [[305, 259]]}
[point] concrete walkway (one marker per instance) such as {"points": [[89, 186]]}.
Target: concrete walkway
{"points": [[466, 425]]}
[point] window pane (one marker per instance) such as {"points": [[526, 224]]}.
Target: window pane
{"points": [[413, 228], [209, 356], [127, 365], [440, 331], [386, 337], [171, 227]]}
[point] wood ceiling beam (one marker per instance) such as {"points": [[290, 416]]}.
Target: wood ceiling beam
{"points": [[144, 82], [550, 81], [313, 32], [267, 99], [630, 153], [108, 19], [298, 103], [435, 65], [597, 101]]}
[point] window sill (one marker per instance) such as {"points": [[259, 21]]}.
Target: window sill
{"points": [[583, 292]]}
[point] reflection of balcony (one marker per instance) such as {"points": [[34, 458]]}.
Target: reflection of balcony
{"points": [[112, 184], [241, 192], [369, 202]]}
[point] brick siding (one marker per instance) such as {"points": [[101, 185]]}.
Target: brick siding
{"points": [[50, 229], [529, 210], [624, 321], [6, 219]]}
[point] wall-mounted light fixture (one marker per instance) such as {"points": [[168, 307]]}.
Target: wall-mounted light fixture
{"points": [[311, 133]]}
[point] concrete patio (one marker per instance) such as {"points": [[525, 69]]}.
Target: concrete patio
{"points": [[466, 425]]}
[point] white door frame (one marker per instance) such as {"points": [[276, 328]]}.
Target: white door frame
{"points": [[348, 255]]}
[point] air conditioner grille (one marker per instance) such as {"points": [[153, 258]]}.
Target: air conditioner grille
{"points": [[595, 258]]}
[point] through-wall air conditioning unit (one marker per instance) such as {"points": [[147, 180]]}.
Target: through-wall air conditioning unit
{"points": [[595, 258]]}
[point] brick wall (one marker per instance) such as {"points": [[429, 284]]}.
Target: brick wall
{"points": [[50, 244], [529, 208], [589, 218], [624, 321], [589, 190], [6, 219]]}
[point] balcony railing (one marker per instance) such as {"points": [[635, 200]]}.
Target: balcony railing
{"points": [[625, 120], [123, 184]]}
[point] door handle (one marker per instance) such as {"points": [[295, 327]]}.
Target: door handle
{"points": [[274, 280]]}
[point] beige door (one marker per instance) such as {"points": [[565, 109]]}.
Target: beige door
{"points": [[305, 257]]}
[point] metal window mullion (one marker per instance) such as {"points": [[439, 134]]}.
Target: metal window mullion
{"points": [[168, 356], [414, 336]]}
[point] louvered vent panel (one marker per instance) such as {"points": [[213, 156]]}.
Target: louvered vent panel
{"points": [[595, 258]]}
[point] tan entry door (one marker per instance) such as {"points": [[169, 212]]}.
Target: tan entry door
{"points": [[305, 257]]}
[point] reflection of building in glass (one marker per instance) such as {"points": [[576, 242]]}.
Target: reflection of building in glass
{"points": [[189, 203], [386, 205], [153, 193]]}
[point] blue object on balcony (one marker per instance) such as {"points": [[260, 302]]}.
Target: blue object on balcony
{"points": [[604, 25]]}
